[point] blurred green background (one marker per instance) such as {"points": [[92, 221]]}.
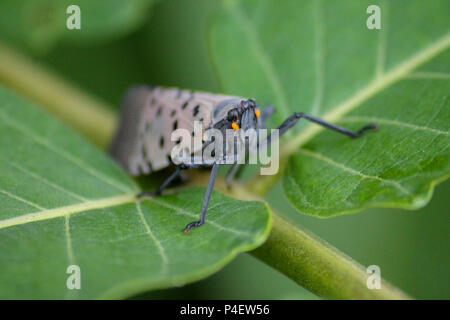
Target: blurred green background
{"points": [[166, 44]]}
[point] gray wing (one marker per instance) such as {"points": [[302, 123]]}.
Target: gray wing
{"points": [[142, 143], [127, 138]]}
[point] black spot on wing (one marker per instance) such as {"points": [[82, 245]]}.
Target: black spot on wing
{"points": [[172, 114], [185, 105], [196, 110], [144, 154], [175, 125], [161, 142]]}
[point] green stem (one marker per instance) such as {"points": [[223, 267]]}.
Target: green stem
{"points": [[308, 260], [318, 266], [85, 114], [303, 257]]}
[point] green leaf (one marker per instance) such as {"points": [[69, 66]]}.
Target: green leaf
{"points": [[319, 57], [39, 24], [62, 203]]}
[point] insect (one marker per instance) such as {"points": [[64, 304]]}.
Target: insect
{"points": [[150, 114]]}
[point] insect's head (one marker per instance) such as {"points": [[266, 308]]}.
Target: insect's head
{"points": [[245, 115]]}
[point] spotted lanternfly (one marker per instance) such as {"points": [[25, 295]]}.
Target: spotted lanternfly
{"points": [[150, 114]]}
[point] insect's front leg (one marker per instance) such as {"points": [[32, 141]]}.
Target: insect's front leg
{"points": [[167, 182], [164, 185], [294, 118], [209, 189]]}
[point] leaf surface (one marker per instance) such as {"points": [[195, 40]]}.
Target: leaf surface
{"points": [[62, 203], [39, 24], [319, 57]]}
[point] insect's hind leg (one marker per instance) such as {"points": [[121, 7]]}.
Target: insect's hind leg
{"points": [[234, 172], [209, 189]]}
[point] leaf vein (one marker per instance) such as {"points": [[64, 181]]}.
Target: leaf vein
{"points": [[69, 248], [382, 41], [321, 157], [261, 55], [162, 253], [319, 58], [46, 214], [366, 93], [218, 226], [45, 143], [15, 197], [393, 123], [40, 178]]}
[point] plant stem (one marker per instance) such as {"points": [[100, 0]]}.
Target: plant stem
{"points": [[308, 260], [317, 266], [303, 257], [85, 114]]}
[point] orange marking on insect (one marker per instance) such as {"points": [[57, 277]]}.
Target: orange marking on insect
{"points": [[257, 113], [234, 126]]}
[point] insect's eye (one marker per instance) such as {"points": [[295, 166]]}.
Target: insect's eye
{"points": [[257, 113]]}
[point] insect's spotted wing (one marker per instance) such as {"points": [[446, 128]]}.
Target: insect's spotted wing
{"points": [[149, 115]]}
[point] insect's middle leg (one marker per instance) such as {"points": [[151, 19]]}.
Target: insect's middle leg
{"points": [[234, 172], [267, 112]]}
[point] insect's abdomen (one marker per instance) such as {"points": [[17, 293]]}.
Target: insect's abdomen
{"points": [[149, 115]]}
